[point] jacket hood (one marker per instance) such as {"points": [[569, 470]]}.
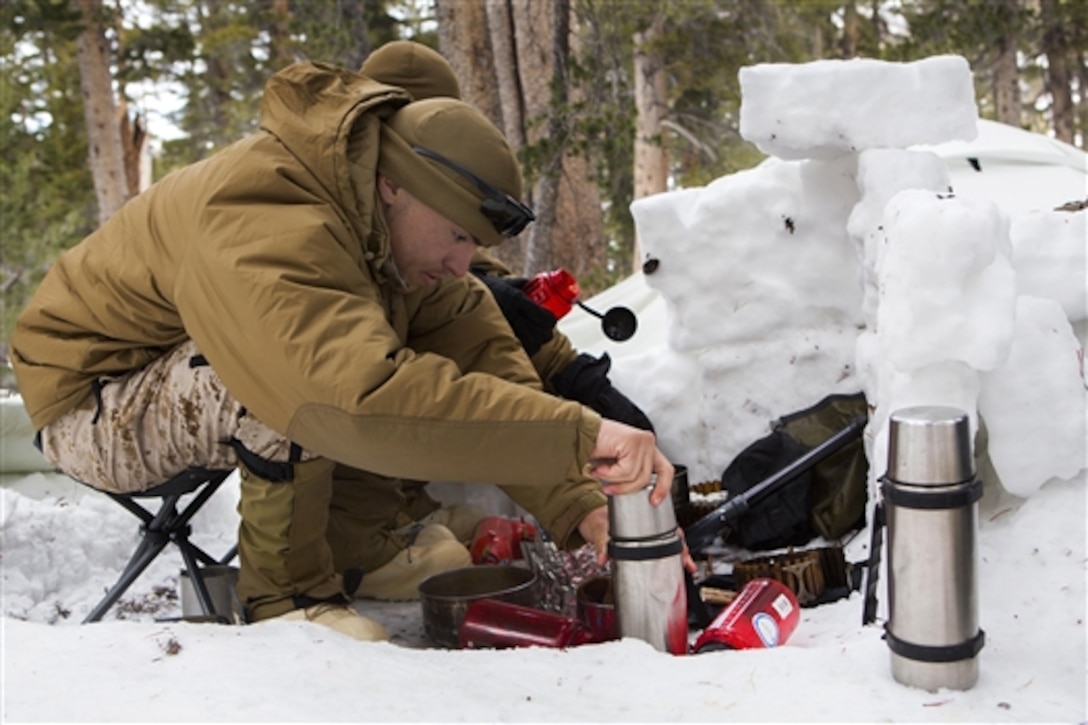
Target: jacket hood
{"points": [[329, 119]]}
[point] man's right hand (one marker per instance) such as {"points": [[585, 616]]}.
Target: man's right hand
{"points": [[624, 460]]}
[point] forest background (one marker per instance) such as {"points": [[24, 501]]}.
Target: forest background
{"points": [[605, 101]]}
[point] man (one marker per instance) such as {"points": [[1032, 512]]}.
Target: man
{"points": [[297, 305], [374, 527]]}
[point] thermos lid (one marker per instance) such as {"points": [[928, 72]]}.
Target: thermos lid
{"points": [[632, 516], [930, 445]]}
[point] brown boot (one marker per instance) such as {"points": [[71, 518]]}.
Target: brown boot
{"points": [[341, 618], [460, 518], [434, 551]]}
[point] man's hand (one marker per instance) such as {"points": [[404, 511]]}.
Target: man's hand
{"points": [[624, 460], [594, 529]]}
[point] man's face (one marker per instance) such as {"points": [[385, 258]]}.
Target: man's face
{"points": [[426, 246]]}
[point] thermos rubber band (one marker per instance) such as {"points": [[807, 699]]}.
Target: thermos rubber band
{"points": [[927, 653], [963, 496], [643, 553]]}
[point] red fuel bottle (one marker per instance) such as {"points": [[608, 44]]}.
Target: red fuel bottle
{"points": [[555, 291], [763, 615], [491, 623], [497, 540]]}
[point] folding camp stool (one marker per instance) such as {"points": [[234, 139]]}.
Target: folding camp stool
{"points": [[166, 525]]}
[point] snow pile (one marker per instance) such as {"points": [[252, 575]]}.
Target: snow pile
{"points": [[847, 263]]}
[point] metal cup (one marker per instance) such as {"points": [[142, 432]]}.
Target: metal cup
{"points": [[220, 579]]}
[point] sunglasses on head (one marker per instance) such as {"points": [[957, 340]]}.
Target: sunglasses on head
{"points": [[508, 215]]}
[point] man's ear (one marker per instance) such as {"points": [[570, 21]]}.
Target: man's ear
{"points": [[387, 189]]}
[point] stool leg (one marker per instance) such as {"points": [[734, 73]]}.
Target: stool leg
{"points": [[196, 578], [151, 545]]}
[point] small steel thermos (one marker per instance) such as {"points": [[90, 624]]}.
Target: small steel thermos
{"points": [[931, 498], [648, 572]]}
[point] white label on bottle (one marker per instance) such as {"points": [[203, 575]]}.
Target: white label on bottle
{"points": [[766, 628], [782, 605]]}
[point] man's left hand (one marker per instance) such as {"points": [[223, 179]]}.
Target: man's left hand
{"points": [[594, 529]]}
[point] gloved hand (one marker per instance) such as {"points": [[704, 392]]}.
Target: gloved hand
{"points": [[585, 380], [532, 324]]}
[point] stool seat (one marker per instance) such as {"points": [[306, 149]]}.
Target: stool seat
{"points": [[165, 525]]}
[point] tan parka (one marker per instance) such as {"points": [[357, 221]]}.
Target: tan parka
{"points": [[270, 256]]}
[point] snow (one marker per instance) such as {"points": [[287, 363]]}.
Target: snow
{"points": [[886, 283]]}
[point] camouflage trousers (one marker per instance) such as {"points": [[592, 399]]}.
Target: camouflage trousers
{"points": [[298, 531], [143, 428]]}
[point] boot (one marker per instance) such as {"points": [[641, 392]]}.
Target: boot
{"points": [[460, 518], [435, 550], [342, 619], [285, 559], [420, 507]]}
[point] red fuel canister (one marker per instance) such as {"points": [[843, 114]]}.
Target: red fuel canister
{"points": [[764, 614], [555, 291], [491, 623]]}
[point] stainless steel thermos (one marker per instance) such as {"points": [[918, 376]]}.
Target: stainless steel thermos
{"points": [[931, 498], [647, 571]]}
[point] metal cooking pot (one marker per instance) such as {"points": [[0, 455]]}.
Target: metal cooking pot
{"points": [[445, 597], [596, 607]]}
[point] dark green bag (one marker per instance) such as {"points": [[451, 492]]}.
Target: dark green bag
{"points": [[826, 500], [840, 482]]}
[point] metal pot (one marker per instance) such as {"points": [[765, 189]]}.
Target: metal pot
{"points": [[445, 597], [596, 607]]}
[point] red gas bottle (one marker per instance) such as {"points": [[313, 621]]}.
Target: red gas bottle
{"points": [[498, 624], [497, 539], [764, 614], [555, 291]]}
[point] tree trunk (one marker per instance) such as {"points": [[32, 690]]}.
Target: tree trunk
{"points": [[848, 45], [100, 112], [1058, 80], [1006, 75], [279, 42], [134, 143], [464, 39], [500, 27], [651, 109], [537, 35]]}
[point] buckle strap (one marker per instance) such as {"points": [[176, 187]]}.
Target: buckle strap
{"points": [[272, 471]]}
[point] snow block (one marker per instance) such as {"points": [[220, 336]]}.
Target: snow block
{"points": [[827, 108]]}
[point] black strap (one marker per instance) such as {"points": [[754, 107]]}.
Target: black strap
{"points": [[198, 361], [930, 500], [644, 553], [272, 471], [872, 567], [96, 388], [302, 601], [928, 653]]}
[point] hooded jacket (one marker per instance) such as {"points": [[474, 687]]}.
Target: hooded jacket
{"points": [[271, 255]]}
